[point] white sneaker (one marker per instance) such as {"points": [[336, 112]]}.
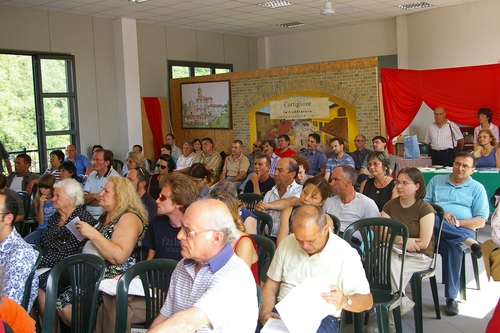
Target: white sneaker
{"points": [[373, 328], [406, 305]]}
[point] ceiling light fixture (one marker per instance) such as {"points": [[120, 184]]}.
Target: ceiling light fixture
{"points": [[291, 24], [327, 9], [137, 1], [417, 5], [276, 3]]}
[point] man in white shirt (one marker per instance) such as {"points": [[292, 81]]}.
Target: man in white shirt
{"points": [[443, 135], [185, 161]]}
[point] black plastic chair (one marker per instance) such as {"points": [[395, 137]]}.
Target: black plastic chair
{"points": [[155, 276], [26, 205], [118, 166], [266, 254], [463, 281], [417, 278], [336, 223], [378, 236], [29, 280], [265, 220], [86, 272], [250, 199]]}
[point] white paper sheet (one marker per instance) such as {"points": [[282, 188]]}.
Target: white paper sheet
{"points": [[72, 227], [40, 271], [303, 309], [109, 287], [274, 325]]}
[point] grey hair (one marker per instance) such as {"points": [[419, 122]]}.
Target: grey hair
{"points": [[303, 214], [73, 190], [220, 220], [189, 143], [223, 187], [348, 172]]}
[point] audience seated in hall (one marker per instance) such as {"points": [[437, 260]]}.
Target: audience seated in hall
{"points": [[260, 181], [379, 144], [201, 175], [360, 153], [185, 161], [284, 194], [133, 159], [304, 168], [13, 194], [283, 149], [165, 165], [316, 158], [487, 152], [256, 151], [236, 165]]}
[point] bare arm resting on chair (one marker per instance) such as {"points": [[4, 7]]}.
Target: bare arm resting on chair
{"points": [[188, 320]]}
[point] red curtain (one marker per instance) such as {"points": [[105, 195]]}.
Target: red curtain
{"points": [[153, 112], [461, 91]]}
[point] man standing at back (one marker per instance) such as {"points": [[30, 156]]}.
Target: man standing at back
{"points": [[16, 256], [212, 290], [102, 163], [80, 161], [443, 135], [313, 250], [22, 179], [466, 208], [316, 158]]}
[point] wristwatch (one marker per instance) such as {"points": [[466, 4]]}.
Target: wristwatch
{"points": [[349, 302]]}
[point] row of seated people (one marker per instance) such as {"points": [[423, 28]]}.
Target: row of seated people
{"points": [[284, 176]]}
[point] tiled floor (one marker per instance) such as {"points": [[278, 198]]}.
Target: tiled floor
{"points": [[474, 314]]}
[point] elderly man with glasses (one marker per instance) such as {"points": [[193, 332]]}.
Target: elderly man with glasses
{"points": [[465, 203], [210, 274]]}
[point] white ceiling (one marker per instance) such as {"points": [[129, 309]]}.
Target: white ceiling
{"points": [[237, 17]]}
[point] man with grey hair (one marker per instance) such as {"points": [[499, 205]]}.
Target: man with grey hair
{"points": [[348, 205], [209, 274], [185, 161], [313, 250], [236, 165]]}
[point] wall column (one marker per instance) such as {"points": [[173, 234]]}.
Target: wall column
{"points": [[402, 41], [128, 85]]}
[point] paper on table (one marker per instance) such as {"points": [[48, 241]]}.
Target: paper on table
{"points": [[303, 309], [109, 287], [72, 227], [274, 325]]}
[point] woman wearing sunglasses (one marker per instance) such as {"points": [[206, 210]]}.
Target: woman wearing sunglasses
{"points": [[164, 165]]}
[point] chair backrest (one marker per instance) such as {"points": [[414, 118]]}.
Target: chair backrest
{"points": [[118, 166], [155, 276], [86, 272], [437, 238], [377, 237], [29, 280], [267, 248], [336, 223], [250, 199], [30, 215], [265, 220], [26, 205], [151, 166]]}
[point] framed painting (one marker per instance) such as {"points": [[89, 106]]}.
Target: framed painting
{"points": [[206, 105]]}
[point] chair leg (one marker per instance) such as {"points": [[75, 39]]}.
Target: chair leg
{"points": [[382, 314], [367, 318], [397, 319], [435, 296], [416, 292], [463, 284], [476, 270]]}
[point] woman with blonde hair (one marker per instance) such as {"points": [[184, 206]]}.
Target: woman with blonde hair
{"points": [[244, 247], [134, 159], [44, 207], [487, 152], [117, 235]]}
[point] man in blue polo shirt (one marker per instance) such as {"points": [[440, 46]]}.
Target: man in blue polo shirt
{"points": [[316, 158], [80, 161], [338, 157]]}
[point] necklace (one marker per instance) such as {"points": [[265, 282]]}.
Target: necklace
{"points": [[381, 186]]}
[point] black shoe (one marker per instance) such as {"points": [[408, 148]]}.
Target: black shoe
{"points": [[451, 307], [476, 249]]}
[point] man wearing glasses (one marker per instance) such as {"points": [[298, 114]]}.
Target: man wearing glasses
{"points": [[210, 274], [16, 256], [102, 163], [465, 203], [361, 152]]}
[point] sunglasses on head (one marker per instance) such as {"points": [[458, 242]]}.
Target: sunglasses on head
{"points": [[161, 166]]}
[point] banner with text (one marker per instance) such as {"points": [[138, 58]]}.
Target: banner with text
{"points": [[300, 108]]}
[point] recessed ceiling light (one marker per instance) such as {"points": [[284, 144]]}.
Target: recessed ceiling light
{"points": [[276, 3], [417, 5], [291, 24], [137, 1]]}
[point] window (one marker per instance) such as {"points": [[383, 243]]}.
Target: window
{"points": [[38, 102], [180, 69]]}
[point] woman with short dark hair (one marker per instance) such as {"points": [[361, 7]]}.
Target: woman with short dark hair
{"points": [[485, 115]]}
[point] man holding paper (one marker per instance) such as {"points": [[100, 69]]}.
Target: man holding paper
{"points": [[313, 251]]}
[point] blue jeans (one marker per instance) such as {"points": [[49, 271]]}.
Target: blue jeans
{"points": [[451, 254], [33, 236]]}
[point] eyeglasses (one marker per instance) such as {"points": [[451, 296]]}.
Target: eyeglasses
{"points": [[458, 165], [191, 233], [374, 164], [164, 197], [404, 183], [256, 146], [161, 166]]}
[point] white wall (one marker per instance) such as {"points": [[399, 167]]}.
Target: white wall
{"points": [[353, 41]]}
